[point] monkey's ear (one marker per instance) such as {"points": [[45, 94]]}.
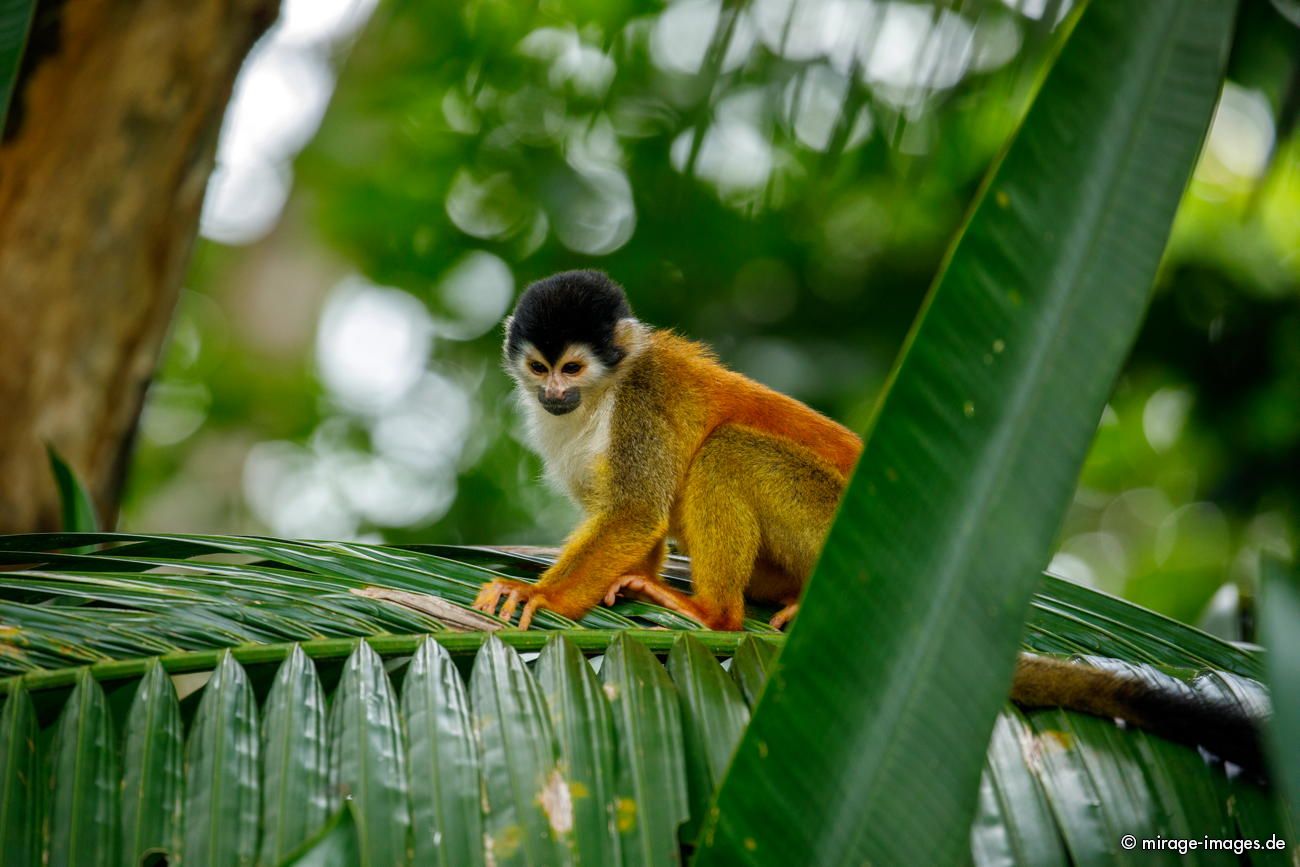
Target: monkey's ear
{"points": [[629, 335]]}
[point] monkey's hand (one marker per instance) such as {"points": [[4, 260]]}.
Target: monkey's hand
{"points": [[508, 594]]}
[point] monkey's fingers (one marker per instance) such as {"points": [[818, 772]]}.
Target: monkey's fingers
{"points": [[488, 598], [530, 607], [512, 602], [633, 583], [659, 594]]}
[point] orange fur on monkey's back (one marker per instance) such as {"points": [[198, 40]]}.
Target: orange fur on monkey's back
{"points": [[733, 399]]}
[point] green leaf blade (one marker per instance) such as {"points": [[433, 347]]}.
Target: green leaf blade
{"points": [[446, 812], [714, 715], [368, 759], [1098, 798], [529, 812], [1187, 792], [1013, 823], [75, 505], [335, 845], [20, 777], [1279, 622], [584, 730], [153, 776], [84, 805], [750, 667], [1106, 625], [221, 782], [1258, 815], [295, 759], [653, 801], [976, 449], [15, 24]]}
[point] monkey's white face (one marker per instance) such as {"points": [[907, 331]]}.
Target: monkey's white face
{"points": [[559, 386]]}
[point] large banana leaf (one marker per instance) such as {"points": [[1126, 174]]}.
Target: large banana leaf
{"points": [[904, 647], [462, 749]]}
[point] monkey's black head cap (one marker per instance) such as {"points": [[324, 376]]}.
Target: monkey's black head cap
{"points": [[567, 308]]}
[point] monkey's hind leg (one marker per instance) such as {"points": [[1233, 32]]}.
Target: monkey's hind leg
{"points": [[700, 607], [644, 582], [721, 530], [652, 590], [774, 585], [784, 616]]}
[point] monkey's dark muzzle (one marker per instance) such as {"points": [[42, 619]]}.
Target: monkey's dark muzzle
{"points": [[562, 405]]}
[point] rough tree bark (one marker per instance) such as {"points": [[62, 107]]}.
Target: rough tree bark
{"points": [[103, 165]]}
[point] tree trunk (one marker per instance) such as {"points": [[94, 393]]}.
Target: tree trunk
{"points": [[103, 165]]}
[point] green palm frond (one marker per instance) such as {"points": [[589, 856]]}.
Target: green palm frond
{"points": [[456, 747], [164, 595]]}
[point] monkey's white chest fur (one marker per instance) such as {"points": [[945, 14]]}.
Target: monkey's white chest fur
{"points": [[571, 444]]}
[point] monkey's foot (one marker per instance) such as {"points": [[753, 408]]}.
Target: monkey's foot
{"points": [[630, 583], [784, 616], [652, 591], [514, 592]]}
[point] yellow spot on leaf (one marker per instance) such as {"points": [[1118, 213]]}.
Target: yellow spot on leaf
{"points": [[1002, 198], [1062, 740], [625, 812], [505, 843]]}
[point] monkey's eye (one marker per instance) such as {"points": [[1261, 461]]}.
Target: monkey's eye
{"points": [[536, 367], [571, 368]]}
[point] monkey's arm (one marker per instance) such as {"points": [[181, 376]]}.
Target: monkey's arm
{"points": [[624, 532]]}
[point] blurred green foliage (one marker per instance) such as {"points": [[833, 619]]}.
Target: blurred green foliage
{"points": [[778, 178]]}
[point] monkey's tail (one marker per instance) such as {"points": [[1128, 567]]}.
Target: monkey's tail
{"points": [[1218, 711]]}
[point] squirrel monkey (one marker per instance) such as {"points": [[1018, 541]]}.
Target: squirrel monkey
{"points": [[655, 439]]}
